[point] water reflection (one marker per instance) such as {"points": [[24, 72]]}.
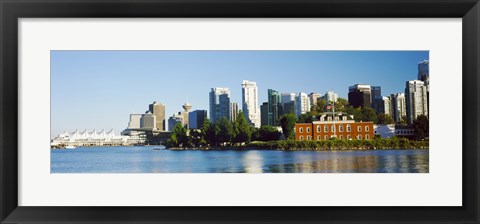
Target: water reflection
{"points": [[146, 160], [253, 162], [357, 164]]}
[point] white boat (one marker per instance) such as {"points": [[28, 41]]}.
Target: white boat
{"points": [[69, 147]]}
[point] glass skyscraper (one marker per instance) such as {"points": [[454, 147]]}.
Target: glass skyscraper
{"points": [[219, 104], [274, 107]]}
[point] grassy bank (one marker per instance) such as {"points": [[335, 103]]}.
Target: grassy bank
{"points": [[385, 143]]}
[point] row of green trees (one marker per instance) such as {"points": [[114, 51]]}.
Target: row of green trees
{"points": [[336, 144], [222, 132]]}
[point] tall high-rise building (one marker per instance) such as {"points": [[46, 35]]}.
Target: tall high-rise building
{"points": [[250, 106], [135, 121], [158, 110], [233, 111], [359, 95], [288, 107], [423, 71], [274, 107], [384, 105], [288, 97], [196, 118], [302, 104], [399, 108], [314, 98], [416, 99], [148, 121], [424, 75], [376, 92], [219, 104], [264, 114], [330, 96], [376, 98]]}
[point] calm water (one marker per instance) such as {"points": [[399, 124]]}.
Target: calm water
{"points": [[146, 160]]}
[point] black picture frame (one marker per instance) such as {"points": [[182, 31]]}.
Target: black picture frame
{"points": [[12, 10]]}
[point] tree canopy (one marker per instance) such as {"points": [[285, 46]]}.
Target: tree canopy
{"points": [[268, 133], [241, 129], [306, 118], [225, 128], [421, 127], [287, 122], [179, 136]]}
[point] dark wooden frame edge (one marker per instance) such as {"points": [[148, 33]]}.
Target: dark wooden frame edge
{"points": [[12, 10]]}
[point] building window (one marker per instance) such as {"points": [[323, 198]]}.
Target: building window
{"points": [[340, 128], [349, 137], [329, 118], [333, 128], [326, 128], [325, 137], [359, 137], [367, 128], [309, 137], [341, 137], [300, 130], [301, 138], [359, 128], [319, 137], [308, 130], [367, 137], [319, 129], [348, 128]]}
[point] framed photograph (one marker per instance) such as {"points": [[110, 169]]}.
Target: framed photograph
{"points": [[245, 112]]}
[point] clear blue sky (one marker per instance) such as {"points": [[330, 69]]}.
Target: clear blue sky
{"points": [[99, 89]]}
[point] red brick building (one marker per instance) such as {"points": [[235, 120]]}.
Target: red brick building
{"points": [[343, 127]]}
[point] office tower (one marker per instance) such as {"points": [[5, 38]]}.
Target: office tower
{"points": [[250, 106], [135, 121], [424, 75], [174, 120], [384, 105], [423, 71], [416, 99], [359, 95], [399, 108], [158, 110], [314, 97], [376, 92], [264, 114], [274, 107], [288, 97], [148, 121], [330, 96], [302, 104], [219, 104], [196, 119], [288, 107], [233, 112], [376, 98]]}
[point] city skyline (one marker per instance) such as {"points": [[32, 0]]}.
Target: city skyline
{"points": [[100, 89]]}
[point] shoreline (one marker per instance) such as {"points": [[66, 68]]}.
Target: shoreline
{"points": [[331, 145]]}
